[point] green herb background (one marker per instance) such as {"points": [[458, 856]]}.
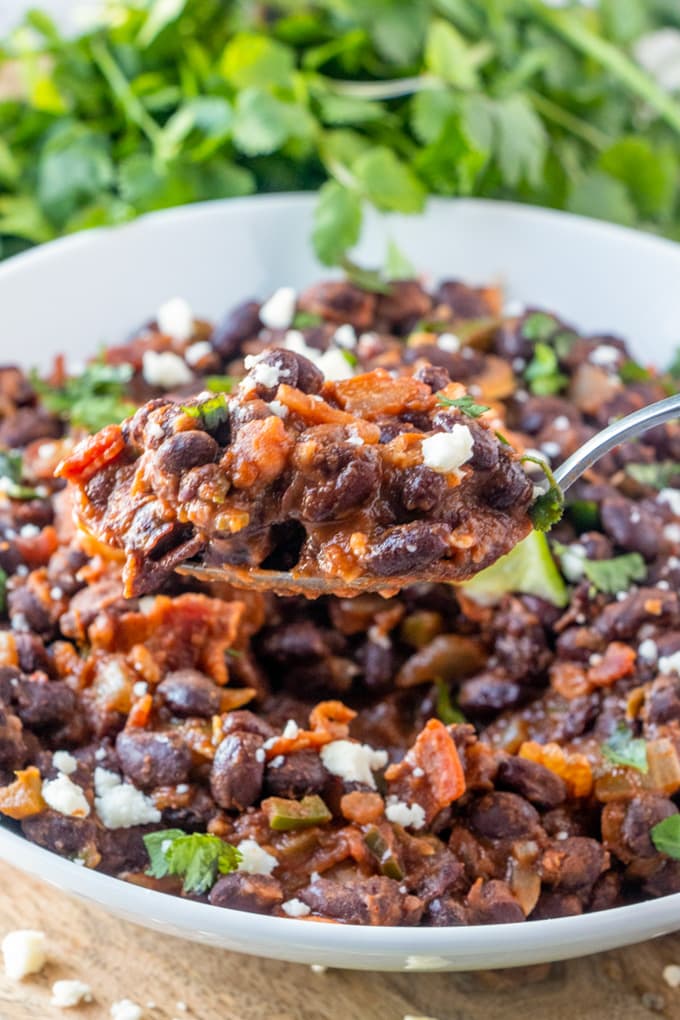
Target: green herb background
{"points": [[381, 102]]}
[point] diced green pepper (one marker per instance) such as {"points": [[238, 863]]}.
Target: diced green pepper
{"points": [[285, 815], [389, 865]]}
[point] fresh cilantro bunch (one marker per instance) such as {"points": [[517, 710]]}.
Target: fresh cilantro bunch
{"points": [[91, 400], [376, 103]]}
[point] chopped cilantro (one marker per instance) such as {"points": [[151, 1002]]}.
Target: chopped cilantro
{"points": [[220, 383], [501, 439], [432, 326], [446, 710], [212, 412], [397, 266], [11, 468], [562, 342], [622, 748], [366, 279], [631, 372], [538, 326], [548, 507], [666, 836], [656, 476], [3, 590], [466, 404], [543, 374], [91, 400], [617, 574], [306, 320], [197, 858], [350, 357]]}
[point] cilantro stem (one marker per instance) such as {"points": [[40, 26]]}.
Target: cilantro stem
{"points": [[613, 59], [578, 127], [120, 87], [377, 90]]}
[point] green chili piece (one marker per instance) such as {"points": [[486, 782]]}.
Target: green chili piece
{"points": [[389, 865], [285, 815]]}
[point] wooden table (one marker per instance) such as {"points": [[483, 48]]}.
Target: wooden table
{"points": [[119, 960]]}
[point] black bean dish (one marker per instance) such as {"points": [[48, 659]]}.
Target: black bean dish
{"points": [[446, 756]]}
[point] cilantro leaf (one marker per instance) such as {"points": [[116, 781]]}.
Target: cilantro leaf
{"points": [[466, 404], [251, 59], [548, 507], [622, 748], [543, 374], [91, 400], [212, 412], [617, 574], [659, 475], [539, 326], [3, 590], [631, 372], [666, 836], [197, 858], [307, 320], [397, 266], [337, 222], [388, 182], [367, 279], [11, 469], [220, 383]]}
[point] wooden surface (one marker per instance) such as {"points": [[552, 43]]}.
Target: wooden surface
{"points": [[119, 960]]}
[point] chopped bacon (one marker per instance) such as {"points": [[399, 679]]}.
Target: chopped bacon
{"points": [[23, 797], [140, 713], [618, 661], [573, 768], [431, 773], [362, 808], [92, 455]]}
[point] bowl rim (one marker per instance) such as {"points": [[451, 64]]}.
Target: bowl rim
{"points": [[657, 916]]}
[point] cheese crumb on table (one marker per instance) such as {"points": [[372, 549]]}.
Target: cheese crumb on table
{"points": [[70, 993], [23, 953], [671, 975], [125, 1009]]}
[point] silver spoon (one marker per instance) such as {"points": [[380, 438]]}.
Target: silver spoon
{"points": [[286, 583]]}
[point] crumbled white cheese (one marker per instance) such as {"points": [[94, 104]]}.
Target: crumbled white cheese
{"points": [[352, 761], [670, 531], [70, 993], [100, 754], [663, 585], [659, 54], [605, 356], [417, 772], [64, 762], [65, 796], [518, 364], [446, 451], [670, 663], [140, 688], [291, 730], [254, 859], [29, 531], [671, 975], [572, 561], [672, 498], [353, 437], [197, 352], [334, 365], [125, 1009], [182, 788], [23, 953], [176, 319], [277, 762], [279, 311], [19, 622], [551, 449], [378, 637], [165, 369], [295, 908], [345, 336], [448, 342], [635, 517], [56, 592], [648, 651], [266, 375], [181, 1007], [317, 968], [121, 805], [561, 423], [277, 408], [513, 308], [404, 814], [260, 755]]}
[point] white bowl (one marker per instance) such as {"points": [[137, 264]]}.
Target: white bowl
{"points": [[94, 288]]}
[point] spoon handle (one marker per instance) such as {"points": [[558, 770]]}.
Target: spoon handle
{"points": [[625, 428]]}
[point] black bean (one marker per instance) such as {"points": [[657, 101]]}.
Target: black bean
{"points": [[27, 425], [301, 639], [237, 773], [434, 376], [349, 477], [244, 721], [554, 904], [258, 894], [421, 488], [509, 485], [358, 901], [632, 527], [573, 864], [533, 781], [187, 692], [504, 816], [25, 606], [293, 370], [485, 695], [663, 700], [41, 704], [241, 323], [377, 663], [407, 548], [445, 913], [185, 450], [339, 301], [12, 743], [485, 450], [60, 833], [493, 903], [300, 773], [123, 849], [153, 759], [63, 567], [466, 302], [642, 814]]}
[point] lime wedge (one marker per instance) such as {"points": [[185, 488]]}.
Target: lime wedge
{"points": [[529, 568]]}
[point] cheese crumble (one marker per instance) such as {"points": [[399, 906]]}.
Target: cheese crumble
{"points": [[175, 319], [125, 1009], [278, 312], [165, 369], [23, 953], [66, 994], [408, 815], [445, 452], [295, 908], [65, 797], [64, 762], [352, 761], [121, 805], [254, 859]]}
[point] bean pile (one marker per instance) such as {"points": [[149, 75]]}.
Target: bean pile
{"points": [[427, 758]]}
